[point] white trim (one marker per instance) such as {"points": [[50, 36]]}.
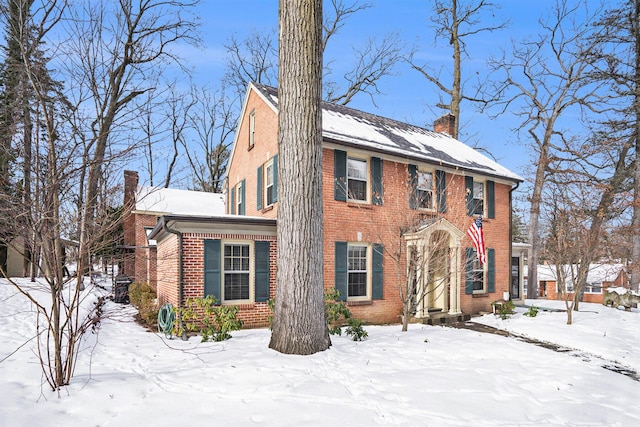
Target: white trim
{"points": [[252, 285]]}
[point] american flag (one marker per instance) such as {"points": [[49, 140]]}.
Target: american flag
{"points": [[477, 237]]}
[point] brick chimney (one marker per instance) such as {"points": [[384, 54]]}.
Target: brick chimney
{"points": [[129, 203], [445, 124]]}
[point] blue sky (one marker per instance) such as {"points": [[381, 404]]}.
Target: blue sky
{"points": [[408, 96]]}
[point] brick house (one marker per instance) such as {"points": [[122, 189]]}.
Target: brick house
{"points": [[389, 189], [599, 278], [144, 205]]}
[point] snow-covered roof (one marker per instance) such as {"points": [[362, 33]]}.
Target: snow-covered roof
{"points": [[347, 126], [598, 273], [179, 202]]}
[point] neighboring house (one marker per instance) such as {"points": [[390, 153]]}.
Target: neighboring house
{"points": [[519, 259], [19, 265], [389, 188], [599, 277], [144, 205]]}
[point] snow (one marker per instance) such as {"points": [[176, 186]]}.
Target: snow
{"points": [[430, 375], [179, 202], [367, 131]]}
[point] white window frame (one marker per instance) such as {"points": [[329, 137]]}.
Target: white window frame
{"points": [[239, 200], [252, 129], [368, 271], [366, 180], [419, 189], [250, 244], [266, 178], [476, 269], [481, 184]]}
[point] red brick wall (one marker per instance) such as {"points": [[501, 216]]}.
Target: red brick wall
{"points": [[253, 315], [376, 224], [145, 258], [245, 161], [167, 272]]}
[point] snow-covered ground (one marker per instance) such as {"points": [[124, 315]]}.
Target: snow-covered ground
{"points": [[428, 376]]}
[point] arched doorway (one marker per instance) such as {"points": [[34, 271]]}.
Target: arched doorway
{"points": [[433, 260]]}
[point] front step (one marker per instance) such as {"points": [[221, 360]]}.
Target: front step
{"points": [[445, 319]]}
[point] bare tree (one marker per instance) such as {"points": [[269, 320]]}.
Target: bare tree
{"points": [[212, 119], [543, 81], [455, 22], [253, 60], [120, 61], [618, 34], [299, 323]]}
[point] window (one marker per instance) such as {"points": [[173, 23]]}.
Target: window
{"points": [[424, 190], [269, 180], [267, 191], [478, 198], [356, 179], [240, 198], [252, 129], [477, 274], [236, 272], [593, 288], [479, 278], [357, 271]]}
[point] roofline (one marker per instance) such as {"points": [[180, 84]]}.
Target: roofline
{"points": [[416, 158], [227, 219], [250, 87]]}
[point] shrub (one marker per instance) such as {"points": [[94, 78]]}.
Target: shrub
{"points": [[337, 311], [213, 322], [533, 311], [355, 330], [143, 297], [504, 309]]}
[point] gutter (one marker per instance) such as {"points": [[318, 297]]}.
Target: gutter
{"points": [[180, 272], [510, 239]]}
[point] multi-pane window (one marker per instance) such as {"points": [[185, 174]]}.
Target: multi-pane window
{"points": [[357, 179], [252, 129], [269, 183], [357, 271], [478, 198], [236, 272], [424, 190], [477, 273]]}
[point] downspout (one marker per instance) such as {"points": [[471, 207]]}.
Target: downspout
{"points": [[180, 272], [510, 237]]}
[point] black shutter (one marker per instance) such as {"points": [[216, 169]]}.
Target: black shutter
{"points": [[340, 175], [341, 272], [259, 190], [261, 271], [275, 178], [491, 199], [491, 270], [376, 181], [441, 189], [413, 184], [468, 183], [212, 273], [468, 271], [241, 208], [377, 273]]}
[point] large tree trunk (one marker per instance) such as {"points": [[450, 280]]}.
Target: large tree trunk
{"points": [[635, 223], [299, 324]]}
